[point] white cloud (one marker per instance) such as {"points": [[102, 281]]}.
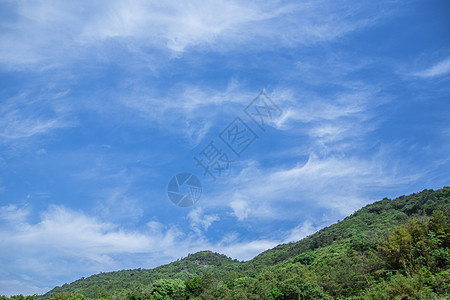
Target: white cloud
{"points": [[331, 134], [199, 221], [192, 111], [190, 101], [155, 226], [13, 213], [439, 69], [74, 234], [48, 34], [119, 207], [246, 250], [310, 108], [21, 128], [16, 287], [173, 24], [189, 112], [240, 206], [27, 115], [334, 184], [301, 231], [66, 238]]}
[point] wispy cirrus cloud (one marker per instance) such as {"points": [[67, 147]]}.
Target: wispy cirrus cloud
{"points": [[41, 33], [334, 184], [190, 111], [117, 206], [440, 68], [27, 115], [15, 127]]}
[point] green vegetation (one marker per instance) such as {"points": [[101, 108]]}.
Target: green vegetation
{"points": [[391, 249]]}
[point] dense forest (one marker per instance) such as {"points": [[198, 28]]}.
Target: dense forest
{"points": [[391, 249]]}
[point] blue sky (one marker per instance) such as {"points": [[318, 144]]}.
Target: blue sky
{"points": [[101, 103]]}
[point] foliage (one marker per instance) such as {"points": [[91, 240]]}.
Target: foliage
{"points": [[194, 287], [67, 296], [169, 289], [419, 243]]}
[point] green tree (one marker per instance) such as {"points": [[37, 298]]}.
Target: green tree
{"points": [[420, 242], [169, 289], [296, 288], [397, 249], [67, 296], [194, 287]]}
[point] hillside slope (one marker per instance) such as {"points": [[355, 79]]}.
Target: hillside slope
{"points": [[366, 225], [120, 283], [390, 247]]}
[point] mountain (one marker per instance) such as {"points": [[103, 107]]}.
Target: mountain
{"points": [[120, 283], [388, 249], [367, 225]]}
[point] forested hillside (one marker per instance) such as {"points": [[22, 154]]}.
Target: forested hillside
{"points": [[391, 249]]}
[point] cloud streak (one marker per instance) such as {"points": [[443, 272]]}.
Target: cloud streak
{"points": [[441, 68], [43, 34], [27, 115]]}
